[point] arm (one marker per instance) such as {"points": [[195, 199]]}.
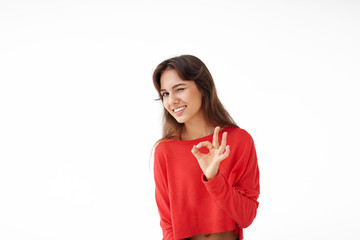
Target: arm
{"points": [[237, 196], [240, 199], [162, 198]]}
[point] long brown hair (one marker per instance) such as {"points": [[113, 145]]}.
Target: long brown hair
{"points": [[191, 68]]}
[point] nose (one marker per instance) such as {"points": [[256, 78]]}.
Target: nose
{"points": [[173, 99]]}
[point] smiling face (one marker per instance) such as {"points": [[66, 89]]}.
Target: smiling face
{"points": [[182, 99]]}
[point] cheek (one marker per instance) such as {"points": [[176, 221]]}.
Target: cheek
{"points": [[198, 98], [166, 105]]}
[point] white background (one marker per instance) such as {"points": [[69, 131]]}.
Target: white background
{"points": [[78, 120]]}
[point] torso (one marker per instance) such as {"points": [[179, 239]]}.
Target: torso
{"points": [[229, 235], [175, 161]]}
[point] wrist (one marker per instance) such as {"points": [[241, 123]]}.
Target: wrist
{"points": [[209, 177]]}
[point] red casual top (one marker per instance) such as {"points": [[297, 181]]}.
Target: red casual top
{"points": [[189, 205]]}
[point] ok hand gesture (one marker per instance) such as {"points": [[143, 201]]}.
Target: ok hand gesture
{"points": [[209, 163]]}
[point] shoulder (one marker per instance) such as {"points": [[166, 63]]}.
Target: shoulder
{"points": [[240, 139], [239, 134], [164, 150], [163, 146]]}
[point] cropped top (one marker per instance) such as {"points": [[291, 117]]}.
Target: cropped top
{"points": [[189, 205]]}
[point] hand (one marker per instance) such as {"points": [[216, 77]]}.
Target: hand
{"points": [[209, 163]]}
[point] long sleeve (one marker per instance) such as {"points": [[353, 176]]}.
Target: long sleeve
{"points": [[237, 195], [162, 197]]}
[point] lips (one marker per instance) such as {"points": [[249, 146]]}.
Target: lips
{"points": [[176, 110]]}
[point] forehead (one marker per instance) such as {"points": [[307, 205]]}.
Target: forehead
{"points": [[169, 78]]}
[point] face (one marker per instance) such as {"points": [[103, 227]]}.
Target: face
{"points": [[182, 99]]}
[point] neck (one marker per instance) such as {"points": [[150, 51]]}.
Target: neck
{"points": [[194, 131]]}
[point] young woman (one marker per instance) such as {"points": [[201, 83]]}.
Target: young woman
{"points": [[205, 189]]}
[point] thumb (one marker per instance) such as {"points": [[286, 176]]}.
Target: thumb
{"points": [[195, 152]]}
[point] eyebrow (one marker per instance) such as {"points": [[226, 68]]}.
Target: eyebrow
{"points": [[175, 86]]}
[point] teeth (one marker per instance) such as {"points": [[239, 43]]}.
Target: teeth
{"points": [[179, 109]]}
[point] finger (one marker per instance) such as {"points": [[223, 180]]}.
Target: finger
{"points": [[205, 144], [225, 155], [216, 137], [223, 142], [195, 152]]}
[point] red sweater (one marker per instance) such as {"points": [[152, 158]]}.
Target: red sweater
{"points": [[188, 205]]}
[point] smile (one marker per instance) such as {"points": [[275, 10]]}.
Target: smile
{"points": [[179, 109]]}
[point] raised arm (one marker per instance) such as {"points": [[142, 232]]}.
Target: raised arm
{"points": [[239, 200], [236, 194]]}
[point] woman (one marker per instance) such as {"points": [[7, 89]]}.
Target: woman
{"points": [[204, 190]]}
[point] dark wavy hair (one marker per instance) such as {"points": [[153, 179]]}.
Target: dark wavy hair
{"points": [[191, 68]]}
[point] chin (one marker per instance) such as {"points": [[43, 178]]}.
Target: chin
{"points": [[180, 120]]}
